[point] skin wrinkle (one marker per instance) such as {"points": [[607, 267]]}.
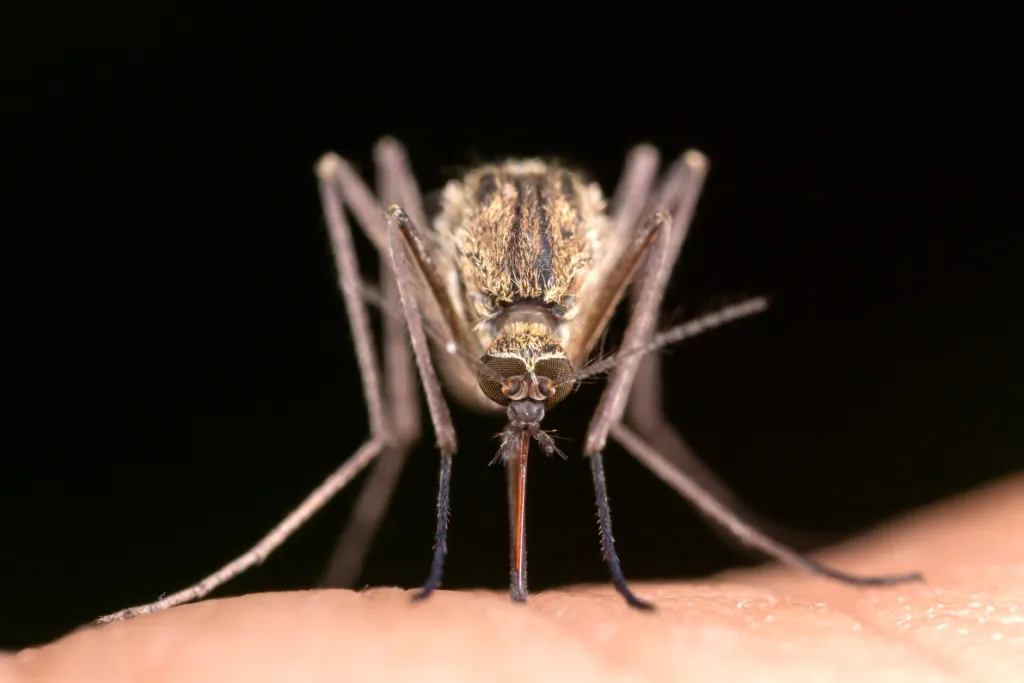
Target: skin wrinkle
{"points": [[765, 624]]}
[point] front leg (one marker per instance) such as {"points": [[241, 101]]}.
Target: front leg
{"points": [[399, 226], [608, 413], [688, 176]]}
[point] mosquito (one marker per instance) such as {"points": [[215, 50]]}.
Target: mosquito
{"points": [[509, 290]]}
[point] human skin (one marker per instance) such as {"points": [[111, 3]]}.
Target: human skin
{"points": [[965, 623]]}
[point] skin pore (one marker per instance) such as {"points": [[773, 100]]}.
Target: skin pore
{"points": [[966, 623]]}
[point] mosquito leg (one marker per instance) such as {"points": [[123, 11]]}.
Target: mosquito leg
{"points": [[368, 511], [395, 184], [439, 415], [259, 552], [654, 278], [646, 393], [348, 276], [689, 174], [604, 520], [634, 188], [441, 535], [645, 416], [644, 408], [658, 445], [398, 185], [605, 415], [397, 181], [631, 197], [363, 522], [694, 491]]}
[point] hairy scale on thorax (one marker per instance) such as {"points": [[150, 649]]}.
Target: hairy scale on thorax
{"points": [[518, 240]]}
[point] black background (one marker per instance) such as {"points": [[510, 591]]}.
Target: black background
{"points": [[182, 372]]}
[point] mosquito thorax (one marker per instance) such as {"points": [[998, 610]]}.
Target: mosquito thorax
{"points": [[531, 364]]}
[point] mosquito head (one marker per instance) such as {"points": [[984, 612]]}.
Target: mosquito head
{"points": [[531, 364]]}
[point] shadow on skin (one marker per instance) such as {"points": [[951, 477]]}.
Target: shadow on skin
{"points": [[771, 624]]}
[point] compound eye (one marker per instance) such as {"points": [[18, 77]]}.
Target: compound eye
{"points": [[551, 373], [514, 388], [493, 387]]}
